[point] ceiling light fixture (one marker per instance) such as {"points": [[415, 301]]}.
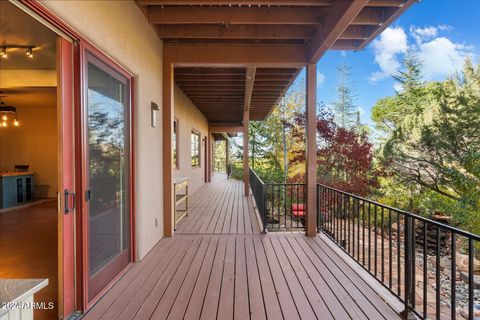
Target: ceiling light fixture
{"points": [[3, 52], [5, 110], [5, 48], [29, 52]]}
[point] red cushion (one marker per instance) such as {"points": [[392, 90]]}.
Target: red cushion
{"points": [[298, 207], [297, 213]]}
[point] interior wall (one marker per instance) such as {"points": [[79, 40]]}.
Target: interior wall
{"points": [[189, 117], [120, 29], [34, 142]]}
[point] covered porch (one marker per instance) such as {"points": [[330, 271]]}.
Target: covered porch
{"points": [[219, 266]]}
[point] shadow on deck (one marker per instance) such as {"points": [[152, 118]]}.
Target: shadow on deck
{"points": [[218, 266]]}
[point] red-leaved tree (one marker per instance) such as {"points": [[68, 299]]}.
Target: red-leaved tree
{"points": [[344, 156]]}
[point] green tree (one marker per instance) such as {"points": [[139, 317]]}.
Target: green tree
{"points": [[345, 108], [432, 140]]}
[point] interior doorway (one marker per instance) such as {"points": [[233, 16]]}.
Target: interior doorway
{"points": [[36, 159], [29, 140]]}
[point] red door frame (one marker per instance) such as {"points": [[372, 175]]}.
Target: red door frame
{"points": [[85, 50], [80, 43]]}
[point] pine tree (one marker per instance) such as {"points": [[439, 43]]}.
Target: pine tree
{"points": [[345, 108]]}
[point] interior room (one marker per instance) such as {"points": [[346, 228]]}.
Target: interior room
{"points": [[28, 153]]}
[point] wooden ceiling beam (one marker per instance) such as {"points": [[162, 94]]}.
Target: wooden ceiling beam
{"points": [[386, 3], [348, 44], [358, 32], [387, 22], [373, 16], [209, 71], [249, 82], [339, 18], [217, 55], [234, 31], [235, 15], [237, 2], [227, 128]]}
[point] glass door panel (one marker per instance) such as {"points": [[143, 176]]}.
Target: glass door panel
{"points": [[108, 174]]}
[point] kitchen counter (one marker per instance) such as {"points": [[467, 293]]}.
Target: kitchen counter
{"points": [[18, 293], [16, 189], [15, 174]]}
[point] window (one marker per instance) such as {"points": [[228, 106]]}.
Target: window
{"points": [[175, 143], [195, 145]]}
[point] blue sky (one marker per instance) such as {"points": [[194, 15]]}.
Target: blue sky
{"points": [[441, 32]]}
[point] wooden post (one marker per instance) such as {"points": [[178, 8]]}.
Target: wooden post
{"points": [[211, 158], [227, 156], [168, 203], [245, 153], [311, 152]]}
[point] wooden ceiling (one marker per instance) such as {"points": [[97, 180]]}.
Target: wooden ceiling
{"points": [[313, 26], [220, 93]]}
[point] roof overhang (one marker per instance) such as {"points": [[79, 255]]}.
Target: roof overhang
{"points": [[235, 56]]}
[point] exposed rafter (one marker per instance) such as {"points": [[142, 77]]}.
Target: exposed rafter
{"points": [[249, 81], [236, 15], [222, 31], [339, 18]]}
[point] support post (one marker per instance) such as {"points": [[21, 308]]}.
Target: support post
{"points": [[168, 203], [245, 153], [208, 157], [311, 151], [227, 156]]}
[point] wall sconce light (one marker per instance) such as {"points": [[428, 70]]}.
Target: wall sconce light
{"points": [[154, 109]]}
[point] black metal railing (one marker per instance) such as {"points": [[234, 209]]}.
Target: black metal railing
{"points": [[281, 205], [258, 193], [427, 264]]}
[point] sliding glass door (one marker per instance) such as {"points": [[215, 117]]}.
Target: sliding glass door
{"points": [[107, 169]]}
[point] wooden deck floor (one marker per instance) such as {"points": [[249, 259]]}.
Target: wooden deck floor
{"points": [[239, 274], [219, 207]]}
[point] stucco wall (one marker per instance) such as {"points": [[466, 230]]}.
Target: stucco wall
{"points": [[189, 117], [34, 142], [120, 29]]}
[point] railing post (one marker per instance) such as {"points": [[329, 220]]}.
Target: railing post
{"points": [[409, 258], [264, 212]]}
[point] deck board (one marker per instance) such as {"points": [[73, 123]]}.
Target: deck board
{"points": [[219, 266]]}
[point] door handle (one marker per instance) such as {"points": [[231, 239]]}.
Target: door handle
{"points": [[67, 195]]}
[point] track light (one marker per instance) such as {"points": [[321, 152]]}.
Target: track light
{"points": [[29, 53], [3, 52]]}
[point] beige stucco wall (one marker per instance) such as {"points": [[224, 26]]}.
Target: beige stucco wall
{"points": [[34, 142], [120, 29], [189, 117]]}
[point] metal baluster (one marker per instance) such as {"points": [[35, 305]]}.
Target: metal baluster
{"points": [[363, 233], [425, 276], [390, 248], [369, 237], [437, 276], [399, 269], [376, 242], [471, 255], [383, 245], [453, 280]]}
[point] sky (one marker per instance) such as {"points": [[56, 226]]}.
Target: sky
{"points": [[442, 33]]}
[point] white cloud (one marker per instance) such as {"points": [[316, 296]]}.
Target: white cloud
{"points": [[445, 27], [423, 34], [343, 53], [320, 79], [441, 57], [398, 87], [392, 42]]}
